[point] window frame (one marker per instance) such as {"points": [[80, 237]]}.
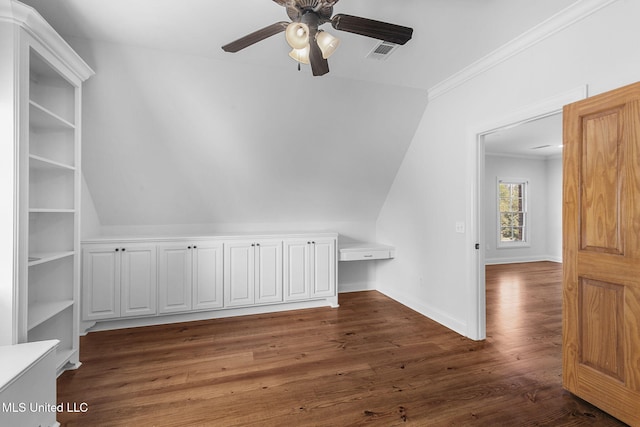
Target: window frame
{"points": [[525, 242]]}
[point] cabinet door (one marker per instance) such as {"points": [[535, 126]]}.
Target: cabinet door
{"points": [[239, 273], [268, 271], [207, 276], [297, 273], [100, 283], [324, 268], [138, 280], [174, 278]]}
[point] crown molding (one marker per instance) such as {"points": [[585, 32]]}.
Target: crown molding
{"points": [[558, 22], [35, 25]]}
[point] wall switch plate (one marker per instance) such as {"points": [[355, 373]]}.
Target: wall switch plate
{"points": [[460, 227]]}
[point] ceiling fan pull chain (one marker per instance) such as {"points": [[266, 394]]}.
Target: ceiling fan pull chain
{"points": [[298, 66]]}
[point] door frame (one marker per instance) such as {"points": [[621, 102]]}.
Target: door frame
{"points": [[477, 318]]}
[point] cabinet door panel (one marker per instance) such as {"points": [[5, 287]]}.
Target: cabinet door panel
{"points": [[324, 265], [101, 278], [138, 286], [207, 276], [268, 271], [238, 274], [174, 278], [296, 269]]}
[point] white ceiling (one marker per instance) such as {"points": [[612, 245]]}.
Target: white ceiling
{"points": [[536, 138], [448, 34], [177, 131]]}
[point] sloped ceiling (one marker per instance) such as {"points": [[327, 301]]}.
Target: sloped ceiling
{"points": [[176, 131]]}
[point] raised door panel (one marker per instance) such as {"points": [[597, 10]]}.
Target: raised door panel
{"points": [[174, 278], [239, 273], [207, 276], [601, 259], [324, 268], [297, 273], [138, 280], [268, 271], [101, 283]]}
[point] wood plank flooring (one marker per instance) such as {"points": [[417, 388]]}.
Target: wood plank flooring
{"points": [[370, 362]]}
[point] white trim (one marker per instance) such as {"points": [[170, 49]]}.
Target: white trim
{"points": [[518, 260], [476, 303], [431, 312], [558, 22], [36, 26]]}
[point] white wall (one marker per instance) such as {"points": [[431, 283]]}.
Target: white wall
{"points": [[544, 185], [433, 188]]}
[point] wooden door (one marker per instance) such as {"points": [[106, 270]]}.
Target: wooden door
{"points": [[601, 214], [207, 276], [174, 278], [138, 280]]}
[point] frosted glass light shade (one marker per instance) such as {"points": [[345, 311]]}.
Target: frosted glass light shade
{"points": [[297, 35], [327, 43], [301, 55]]}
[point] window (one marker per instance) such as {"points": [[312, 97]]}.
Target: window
{"points": [[512, 213]]}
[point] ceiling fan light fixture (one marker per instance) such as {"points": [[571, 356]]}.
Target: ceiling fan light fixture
{"points": [[297, 35], [327, 43], [301, 55]]}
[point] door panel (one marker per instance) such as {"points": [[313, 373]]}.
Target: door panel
{"points": [[101, 279], [238, 274], [207, 276], [174, 278], [268, 271], [601, 239], [296, 269], [138, 286], [324, 275]]}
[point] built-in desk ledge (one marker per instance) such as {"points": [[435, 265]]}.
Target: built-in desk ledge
{"points": [[363, 251]]}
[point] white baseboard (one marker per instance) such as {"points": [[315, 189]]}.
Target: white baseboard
{"points": [[356, 287], [518, 260], [432, 313]]}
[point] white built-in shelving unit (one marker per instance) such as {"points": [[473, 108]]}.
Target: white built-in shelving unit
{"points": [[47, 114]]}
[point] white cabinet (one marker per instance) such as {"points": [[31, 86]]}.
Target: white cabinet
{"points": [[143, 281], [40, 84], [252, 272], [189, 276], [309, 268], [119, 281]]}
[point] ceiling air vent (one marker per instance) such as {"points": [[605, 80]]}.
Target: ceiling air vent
{"points": [[382, 50]]}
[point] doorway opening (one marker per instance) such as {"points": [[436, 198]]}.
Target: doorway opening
{"points": [[522, 121]]}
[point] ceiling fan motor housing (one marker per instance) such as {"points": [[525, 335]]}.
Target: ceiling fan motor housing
{"points": [[296, 9]]}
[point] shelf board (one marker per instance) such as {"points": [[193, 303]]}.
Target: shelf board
{"points": [[42, 257], [40, 162], [42, 118], [39, 313], [47, 210]]}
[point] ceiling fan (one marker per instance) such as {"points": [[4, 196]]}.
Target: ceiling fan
{"points": [[312, 45]]}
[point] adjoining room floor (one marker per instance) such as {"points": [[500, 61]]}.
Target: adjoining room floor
{"points": [[370, 362]]}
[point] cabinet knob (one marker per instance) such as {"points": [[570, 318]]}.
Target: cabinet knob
{"points": [[195, 247], [123, 249], [117, 249], [308, 243], [188, 247], [253, 244], [257, 244]]}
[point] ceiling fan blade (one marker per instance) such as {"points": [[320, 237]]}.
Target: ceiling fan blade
{"points": [[255, 37], [319, 65], [368, 27]]}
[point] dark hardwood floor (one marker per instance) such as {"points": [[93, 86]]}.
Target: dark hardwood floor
{"points": [[370, 362]]}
